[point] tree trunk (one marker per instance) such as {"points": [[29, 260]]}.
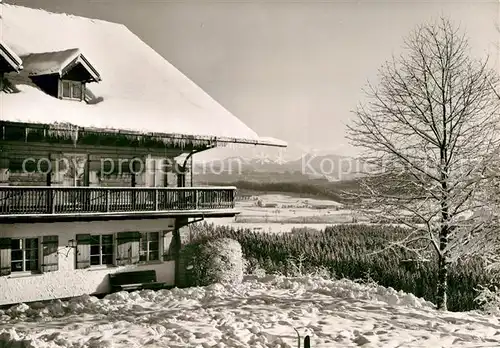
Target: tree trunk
{"points": [[442, 281], [442, 284]]}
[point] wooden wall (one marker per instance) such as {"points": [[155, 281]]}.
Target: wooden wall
{"points": [[69, 169]]}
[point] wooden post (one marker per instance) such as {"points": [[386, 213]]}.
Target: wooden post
{"points": [[48, 176], [153, 172], [4, 168], [133, 183], [191, 172], [181, 178], [4, 180], [133, 176], [86, 172], [49, 193], [179, 223], [157, 199], [307, 342], [86, 182], [165, 173]]}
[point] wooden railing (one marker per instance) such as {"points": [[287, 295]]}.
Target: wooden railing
{"points": [[74, 200]]}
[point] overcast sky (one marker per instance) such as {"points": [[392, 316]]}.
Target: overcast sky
{"points": [[289, 69]]}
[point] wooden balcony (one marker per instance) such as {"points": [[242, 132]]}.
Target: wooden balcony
{"points": [[59, 203]]}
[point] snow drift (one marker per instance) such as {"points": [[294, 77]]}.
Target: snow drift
{"points": [[260, 312]]}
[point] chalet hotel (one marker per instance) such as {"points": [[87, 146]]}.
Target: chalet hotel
{"points": [[97, 133]]}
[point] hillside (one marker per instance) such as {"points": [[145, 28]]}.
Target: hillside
{"points": [[321, 189]]}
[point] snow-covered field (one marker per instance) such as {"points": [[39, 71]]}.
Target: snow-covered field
{"points": [[281, 212], [261, 312]]}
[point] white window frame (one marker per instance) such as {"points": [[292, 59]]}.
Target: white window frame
{"points": [[24, 257], [71, 85], [148, 249], [101, 254]]}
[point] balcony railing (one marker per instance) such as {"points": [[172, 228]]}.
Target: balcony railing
{"points": [[32, 200]]}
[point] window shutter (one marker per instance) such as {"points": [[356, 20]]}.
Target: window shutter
{"points": [[82, 251], [127, 248], [168, 245], [122, 249], [50, 246], [134, 247], [5, 256], [59, 89]]}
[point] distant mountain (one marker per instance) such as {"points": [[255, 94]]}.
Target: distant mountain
{"points": [[330, 167]]}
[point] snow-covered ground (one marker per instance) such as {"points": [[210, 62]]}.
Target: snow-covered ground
{"points": [[284, 212], [258, 313]]}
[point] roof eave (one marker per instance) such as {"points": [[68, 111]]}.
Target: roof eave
{"points": [[90, 69], [261, 142], [214, 140], [11, 58]]}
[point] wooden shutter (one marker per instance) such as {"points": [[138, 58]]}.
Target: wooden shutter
{"points": [[134, 247], [50, 246], [127, 251], [5, 254], [122, 249], [82, 251], [167, 241]]}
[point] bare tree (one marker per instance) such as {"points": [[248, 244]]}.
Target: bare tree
{"points": [[429, 133]]}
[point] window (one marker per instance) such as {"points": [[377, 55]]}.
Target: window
{"points": [[71, 90], [76, 91], [101, 249], [149, 246], [66, 89], [24, 254]]}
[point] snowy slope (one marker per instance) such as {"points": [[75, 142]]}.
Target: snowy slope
{"points": [[141, 90], [258, 313]]}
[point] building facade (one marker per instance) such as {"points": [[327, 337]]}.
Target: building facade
{"points": [[97, 133]]}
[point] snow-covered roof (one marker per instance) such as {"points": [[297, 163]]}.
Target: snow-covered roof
{"points": [[57, 62], [155, 98], [10, 57]]}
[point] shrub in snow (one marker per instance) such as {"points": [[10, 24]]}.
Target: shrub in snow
{"points": [[354, 252], [206, 262], [322, 272], [488, 299], [252, 267]]}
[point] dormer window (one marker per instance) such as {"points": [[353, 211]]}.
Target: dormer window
{"points": [[61, 74], [73, 90]]}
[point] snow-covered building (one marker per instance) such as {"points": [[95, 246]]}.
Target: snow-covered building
{"points": [[96, 135]]}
